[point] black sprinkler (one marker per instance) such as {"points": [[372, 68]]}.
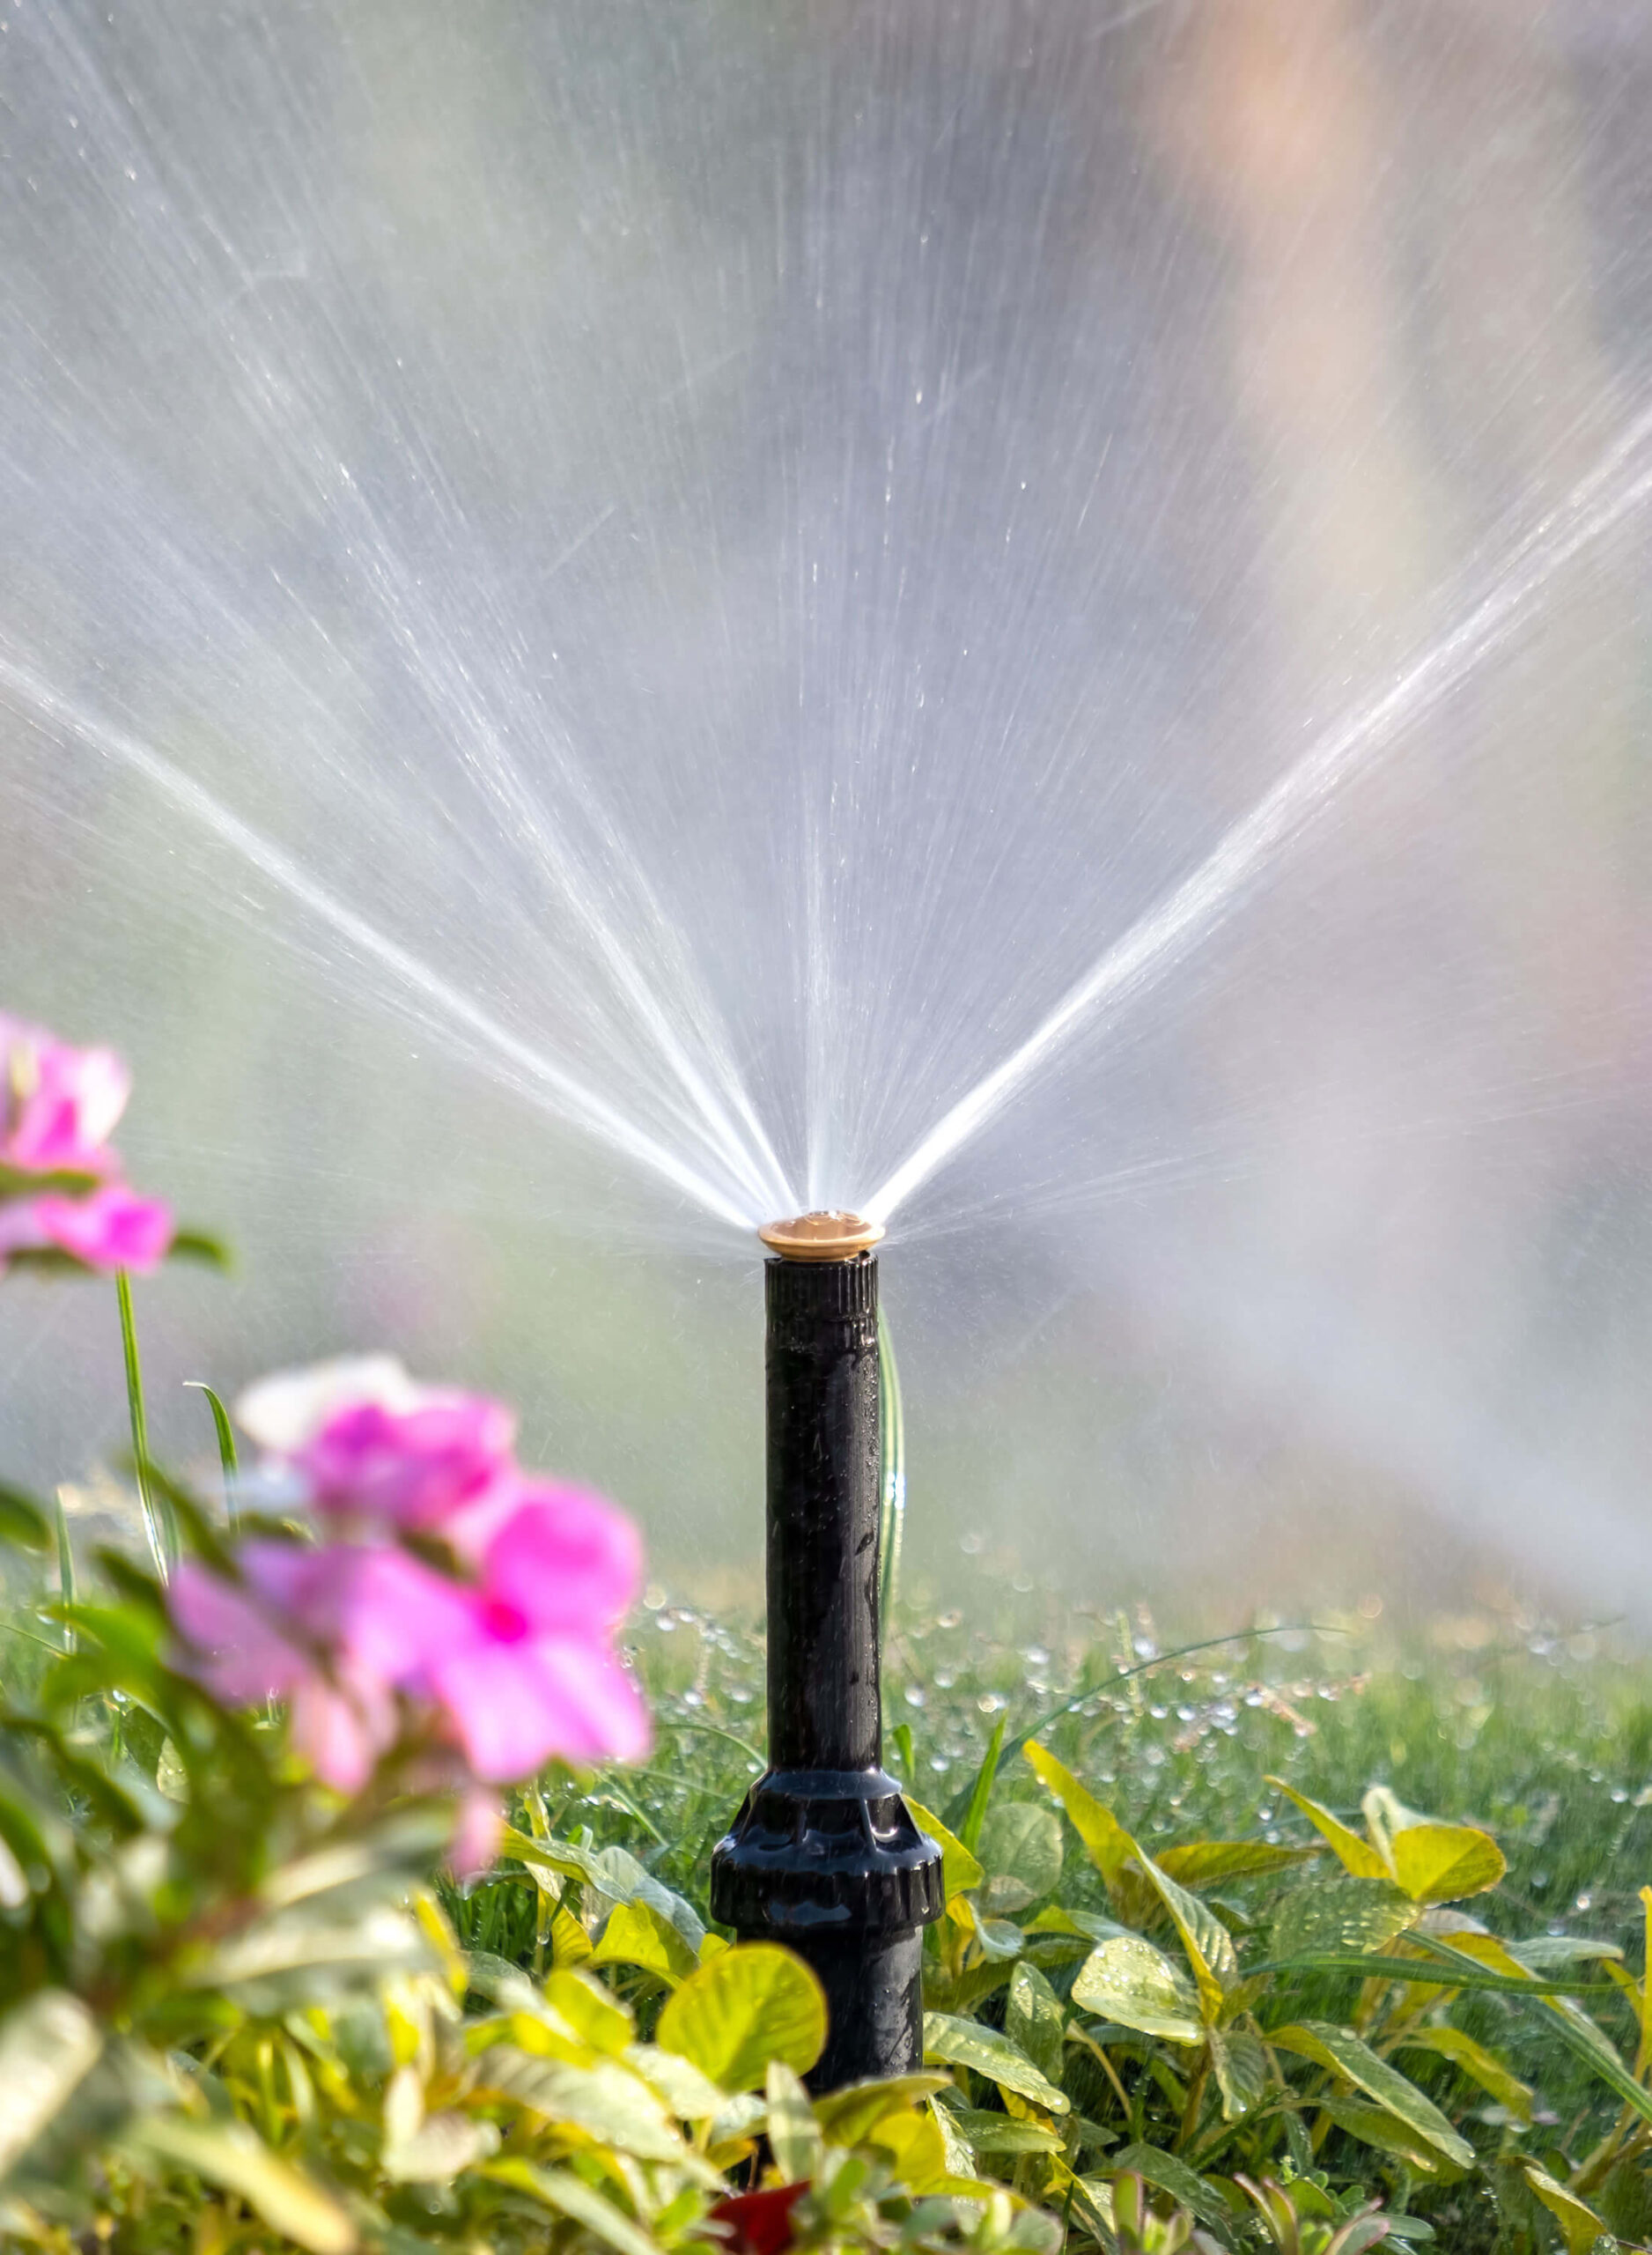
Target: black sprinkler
{"points": [[824, 1856]]}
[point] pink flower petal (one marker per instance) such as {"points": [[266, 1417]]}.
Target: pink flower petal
{"points": [[398, 1613], [415, 1466], [569, 1560], [59, 1105], [239, 1655], [476, 1835], [516, 1704], [111, 1228], [285, 1411], [341, 1731]]}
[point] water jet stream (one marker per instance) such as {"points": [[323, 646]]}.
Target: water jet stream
{"points": [[1212, 890], [581, 1106]]}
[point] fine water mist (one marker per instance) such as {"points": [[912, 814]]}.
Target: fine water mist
{"points": [[615, 620]]}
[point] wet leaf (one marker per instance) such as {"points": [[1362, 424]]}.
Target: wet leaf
{"points": [[1128, 1980], [636, 1935], [1033, 2019], [966, 2043], [1163, 2171], [1339, 1915], [1020, 1850], [959, 1870], [1207, 1863], [1438, 1863], [752, 2004], [1485, 2068], [1107, 1844], [1355, 1855], [1241, 2067], [1344, 2053], [1579, 2226]]}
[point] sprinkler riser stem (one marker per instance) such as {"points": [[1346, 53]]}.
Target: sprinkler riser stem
{"points": [[824, 1856]]}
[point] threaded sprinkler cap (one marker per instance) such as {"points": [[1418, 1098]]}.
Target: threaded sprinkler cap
{"points": [[832, 1235]]}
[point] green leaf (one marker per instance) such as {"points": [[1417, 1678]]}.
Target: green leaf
{"points": [[229, 1462], [959, 1869], [1020, 1850], [1579, 2226], [849, 2114], [58, 1182], [1206, 1941], [748, 2004], [966, 2043], [1339, 1915], [1356, 1855], [1340, 2051], [197, 1245], [162, 1534], [568, 2195], [232, 2157], [794, 2135], [991, 2132], [1483, 2066], [48, 2045], [22, 1521], [981, 1792], [1241, 2066], [604, 2099], [590, 2008], [1107, 1844], [636, 1935], [1163, 2171], [1128, 1980], [1033, 2019], [1385, 2133], [1456, 1973], [1207, 1863], [1440, 1863]]}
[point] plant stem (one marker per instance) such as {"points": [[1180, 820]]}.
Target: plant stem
{"points": [[161, 1530]]}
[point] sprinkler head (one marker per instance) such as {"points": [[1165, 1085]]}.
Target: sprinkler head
{"points": [[832, 1236]]}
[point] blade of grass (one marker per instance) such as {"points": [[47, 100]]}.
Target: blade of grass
{"points": [[1458, 1972], [162, 1546], [891, 1472], [68, 1586], [228, 1460], [975, 1815]]}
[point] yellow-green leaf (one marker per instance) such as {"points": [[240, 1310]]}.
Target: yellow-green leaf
{"points": [[636, 1935], [1341, 2052], [232, 2157], [849, 2115], [1354, 1854], [915, 2146], [569, 2195], [966, 2043], [959, 1871], [1483, 2066], [1207, 1863], [612, 2105], [691, 2097], [1128, 1980], [1109, 1846], [590, 2008], [1241, 2070], [752, 2004], [794, 2135], [1207, 1943], [1580, 2227], [49, 2044], [1374, 2126], [1438, 1863]]}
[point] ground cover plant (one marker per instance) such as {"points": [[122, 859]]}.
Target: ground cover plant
{"points": [[351, 1879]]}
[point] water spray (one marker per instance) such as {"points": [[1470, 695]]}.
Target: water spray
{"points": [[824, 1856]]}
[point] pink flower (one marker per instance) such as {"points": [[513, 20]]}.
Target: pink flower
{"points": [[506, 1659], [58, 1107]]}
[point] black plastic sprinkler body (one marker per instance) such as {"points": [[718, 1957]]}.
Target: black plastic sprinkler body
{"points": [[824, 1856]]}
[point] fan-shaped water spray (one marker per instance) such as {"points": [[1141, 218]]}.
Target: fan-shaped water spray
{"points": [[770, 588]]}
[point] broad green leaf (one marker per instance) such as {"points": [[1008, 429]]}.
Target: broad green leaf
{"points": [[1339, 1915], [1544, 1952], [231, 2155], [991, 2132], [605, 2100], [571, 2196], [1438, 1863], [636, 1935], [1206, 1941], [1354, 1854], [1483, 2066], [959, 1869], [1373, 2126], [1033, 2019], [1107, 1844], [48, 2045], [1341, 2052], [22, 1521], [439, 2148], [590, 2008], [1241, 2066], [1207, 1863], [794, 2135], [755, 2003], [1580, 2227], [1020, 1850], [1128, 1980], [1163, 2171], [849, 2114], [691, 2097], [999, 1938], [966, 2043]]}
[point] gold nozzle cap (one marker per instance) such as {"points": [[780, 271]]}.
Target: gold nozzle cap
{"points": [[822, 1237]]}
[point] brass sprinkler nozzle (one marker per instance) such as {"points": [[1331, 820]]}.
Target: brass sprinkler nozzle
{"points": [[832, 1236]]}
